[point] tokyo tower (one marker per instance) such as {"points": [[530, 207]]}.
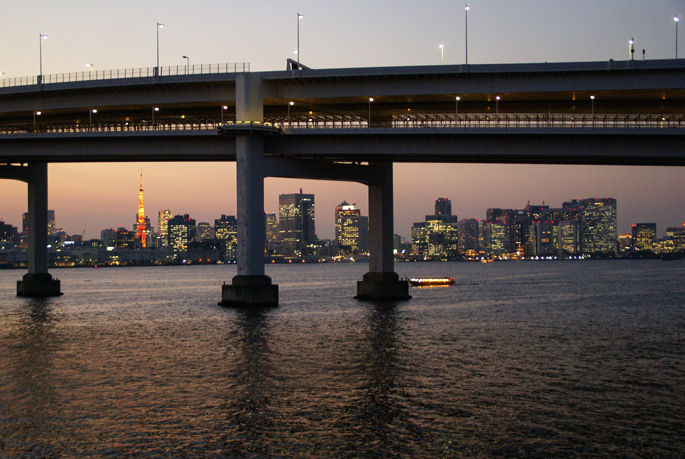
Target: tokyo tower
{"points": [[141, 233]]}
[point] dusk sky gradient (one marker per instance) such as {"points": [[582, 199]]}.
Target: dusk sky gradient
{"points": [[122, 34]]}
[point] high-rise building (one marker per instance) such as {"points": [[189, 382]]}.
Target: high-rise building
{"points": [[569, 237], [226, 231], [163, 218], [599, 231], [125, 239], [204, 231], [543, 232], [468, 236], [181, 232], [643, 236], [109, 237], [296, 222], [271, 230], [443, 206], [351, 229], [676, 234], [494, 237]]}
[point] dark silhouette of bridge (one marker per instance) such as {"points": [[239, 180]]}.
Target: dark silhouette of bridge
{"points": [[337, 124]]}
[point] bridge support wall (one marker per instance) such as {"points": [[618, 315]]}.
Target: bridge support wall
{"points": [[38, 282], [381, 282], [250, 287]]}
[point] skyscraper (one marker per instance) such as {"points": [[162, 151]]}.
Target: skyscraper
{"points": [[163, 217], [296, 222], [181, 232], [271, 230], [569, 237], [643, 236], [226, 231], [468, 236], [443, 206], [351, 229], [599, 232], [204, 231]]}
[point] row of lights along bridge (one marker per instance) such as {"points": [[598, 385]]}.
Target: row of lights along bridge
{"points": [[631, 42]]}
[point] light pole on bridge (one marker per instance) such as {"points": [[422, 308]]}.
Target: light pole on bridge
{"points": [[40, 49], [187, 64], [88, 64], [290, 105], [297, 51], [223, 107], [677, 20], [466, 29], [34, 119], [442, 53], [497, 105], [370, 100], [90, 117], [456, 111], [631, 50], [159, 26]]}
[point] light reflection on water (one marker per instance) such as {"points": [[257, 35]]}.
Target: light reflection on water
{"points": [[515, 360]]}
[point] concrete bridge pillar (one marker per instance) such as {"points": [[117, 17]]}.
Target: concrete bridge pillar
{"points": [[38, 282], [381, 282], [251, 287]]}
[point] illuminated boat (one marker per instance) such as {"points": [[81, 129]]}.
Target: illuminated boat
{"points": [[430, 281]]}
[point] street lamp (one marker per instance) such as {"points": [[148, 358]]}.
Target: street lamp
{"points": [[442, 53], [497, 105], [40, 48], [88, 64], [677, 20], [631, 51], [592, 99], [466, 28], [456, 111], [34, 119], [297, 51], [187, 63], [3, 78], [370, 100], [290, 105], [155, 109], [90, 116], [223, 107], [159, 26]]}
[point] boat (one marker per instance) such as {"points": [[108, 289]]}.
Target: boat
{"points": [[430, 281]]}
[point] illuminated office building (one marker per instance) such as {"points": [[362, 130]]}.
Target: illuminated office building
{"points": [[181, 232], [443, 206], [271, 230], [568, 240], [643, 236], [599, 229], [163, 224], [204, 231], [676, 234], [468, 236], [351, 229], [296, 223]]}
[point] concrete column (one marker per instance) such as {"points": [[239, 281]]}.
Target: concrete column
{"points": [[250, 287], [381, 282], [38, 282]]}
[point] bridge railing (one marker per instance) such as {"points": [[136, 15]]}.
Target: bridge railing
{"points": [[495, 121], [418, 122], [144, 72]]}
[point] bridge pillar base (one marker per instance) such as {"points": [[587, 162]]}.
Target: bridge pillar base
{"points": [[38, 285], [382, 287], [249, 291]]}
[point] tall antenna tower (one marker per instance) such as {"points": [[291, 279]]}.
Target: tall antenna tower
{"points": [[141, 233]]}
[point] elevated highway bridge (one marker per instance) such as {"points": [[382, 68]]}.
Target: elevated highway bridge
{"points": [[337, 124]]}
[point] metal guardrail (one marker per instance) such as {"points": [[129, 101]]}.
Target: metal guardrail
{"points": [[144, 72], [433, 122], [496, 121]]}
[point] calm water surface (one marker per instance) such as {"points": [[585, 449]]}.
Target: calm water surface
{"points": [[518, 359]]}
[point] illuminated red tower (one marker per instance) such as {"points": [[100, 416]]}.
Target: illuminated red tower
{"points": [[141, 233]]}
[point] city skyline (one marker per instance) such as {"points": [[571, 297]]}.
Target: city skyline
{"points": [[95, 196]]}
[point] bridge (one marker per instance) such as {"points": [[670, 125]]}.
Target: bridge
{"points": [[335, 124]]}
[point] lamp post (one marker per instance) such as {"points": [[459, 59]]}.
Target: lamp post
{"points": [[677, 20], [466, 29], [34, 119], [631, 50], [40, 49], [159, 26], [223, 107], [3, 78], [456, 110], [290, 105], [297, 51], [187, 64], [90, 117], [442, 53], [370, 100], [497, 105], [88, 64], [155, 109]]}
